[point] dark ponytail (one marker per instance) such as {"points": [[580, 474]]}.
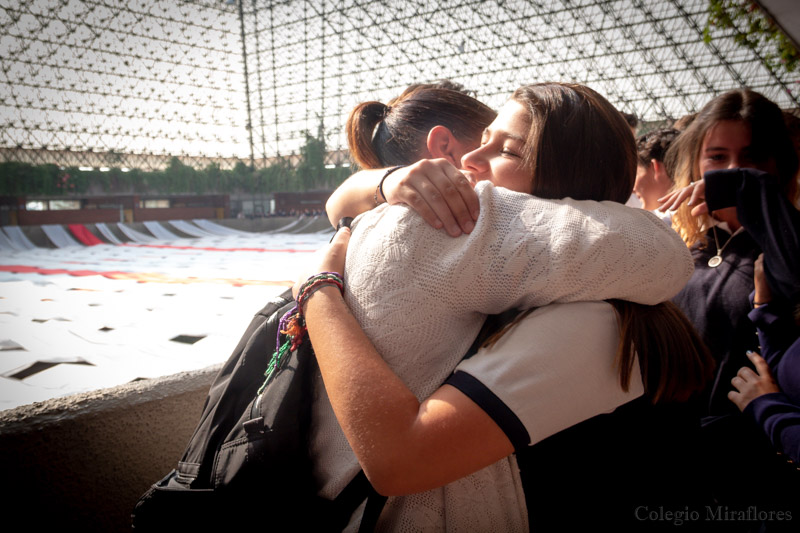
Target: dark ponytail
{"points": [[360, 129], [381, 135]]}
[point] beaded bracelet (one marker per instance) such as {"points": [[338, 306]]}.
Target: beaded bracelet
{"points": [[293, 324], [333, 277], [379, 188], [315, 283]]}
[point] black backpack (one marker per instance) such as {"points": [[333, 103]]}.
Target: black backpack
{"points": [[247, 462]]}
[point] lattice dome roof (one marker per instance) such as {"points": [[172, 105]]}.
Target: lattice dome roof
{"points": [[163, 77]]}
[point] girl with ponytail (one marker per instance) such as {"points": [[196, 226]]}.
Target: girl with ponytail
{"points": [[585, 373]]}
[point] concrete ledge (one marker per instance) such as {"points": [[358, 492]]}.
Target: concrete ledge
{"points": [[84, 460]]}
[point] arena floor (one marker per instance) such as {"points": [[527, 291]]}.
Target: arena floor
{"points": [[81, 318]]}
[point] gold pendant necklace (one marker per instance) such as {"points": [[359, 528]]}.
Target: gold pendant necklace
{"points": [[716, 260]]}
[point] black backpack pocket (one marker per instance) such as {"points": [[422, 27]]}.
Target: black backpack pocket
{"points": [[170, 506]]}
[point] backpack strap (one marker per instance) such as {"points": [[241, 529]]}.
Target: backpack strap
{"points": [[372, 512], [354, 494]]}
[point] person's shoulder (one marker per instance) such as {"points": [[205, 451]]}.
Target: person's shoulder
{"points": [[388, 217], [557, 314], [558, 325], [503, 208], [489, 192], [397, 231], [553, 368], [588, 309]]}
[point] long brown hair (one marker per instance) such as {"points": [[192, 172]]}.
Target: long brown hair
{"points": [[673, 360], [769, 140], [580, 146], [381, 135]]}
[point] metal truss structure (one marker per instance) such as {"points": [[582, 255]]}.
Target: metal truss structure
{"points": [[132, 83]]}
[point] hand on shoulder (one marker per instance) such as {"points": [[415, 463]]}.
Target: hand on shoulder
{"points": [[438, 191]]}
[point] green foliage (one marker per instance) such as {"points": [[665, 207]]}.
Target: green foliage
{"points": [[752, 29], [21, 179], [276, 177], [335, 176], [213, 175], [17, 179], [182, 178], [311, 169]]}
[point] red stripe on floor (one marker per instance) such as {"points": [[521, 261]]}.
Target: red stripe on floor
{"points": [[141, 277], [215, 249]]}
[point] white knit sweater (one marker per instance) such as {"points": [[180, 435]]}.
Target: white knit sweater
{"points": [[421, 296]]}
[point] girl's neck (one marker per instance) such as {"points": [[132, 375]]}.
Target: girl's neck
{"points": [[728, 215]]}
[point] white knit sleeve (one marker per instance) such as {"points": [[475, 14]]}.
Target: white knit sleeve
{"points": [[421, 295], [416, 290]]}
